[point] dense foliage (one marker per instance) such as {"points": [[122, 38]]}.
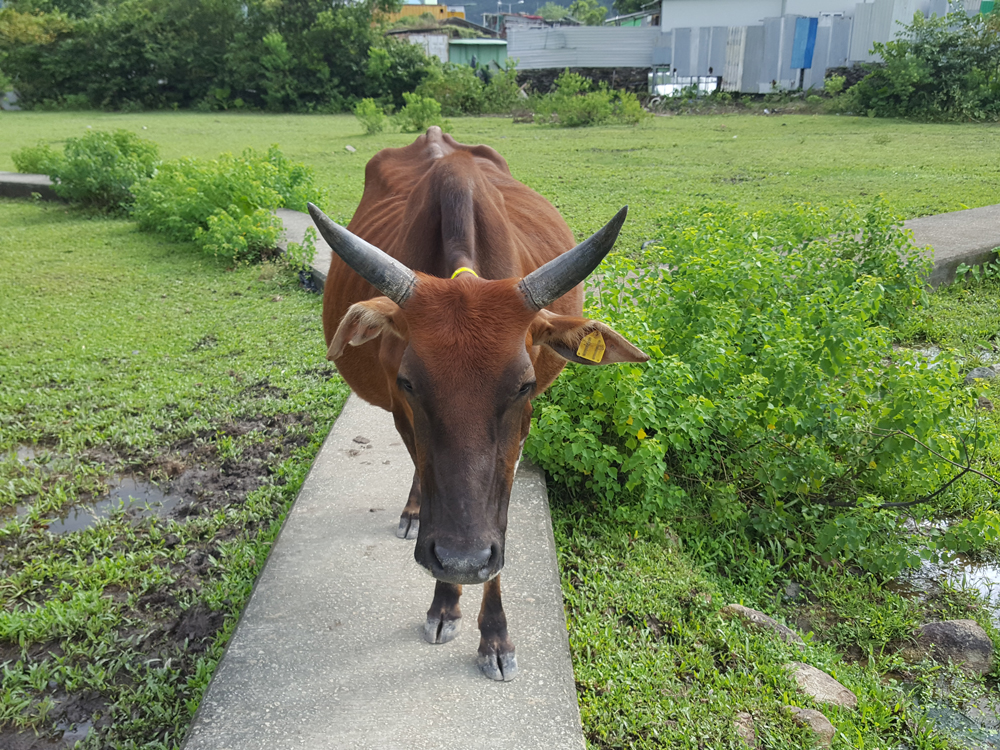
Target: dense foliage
{"points": [[576, 102], [98, 170], [945, 68], [224, 205], [464, 91], [289, 55], [773, 395]]}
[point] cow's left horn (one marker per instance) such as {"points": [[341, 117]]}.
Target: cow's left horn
{"points": [[545, 285], [383, 272]]}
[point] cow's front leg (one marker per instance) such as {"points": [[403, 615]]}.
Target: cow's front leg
{"points": [[409, 520], [496, 652], [444, 618]]}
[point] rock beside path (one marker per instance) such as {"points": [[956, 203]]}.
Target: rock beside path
{"points": [[820, 686], [963, 642], [816, 721], [761, 621]]}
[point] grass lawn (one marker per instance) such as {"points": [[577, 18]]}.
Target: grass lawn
{"points": [[589, 173], [129, 362], [128, 359]]}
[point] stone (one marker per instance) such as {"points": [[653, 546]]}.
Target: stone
{"points": [[963, 642], [816, 721], [350, 149], [743, 724], [761, 621], [980, 373], [820, 686]]}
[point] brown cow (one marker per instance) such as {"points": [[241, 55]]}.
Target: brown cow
{"points": [[481, 310]]}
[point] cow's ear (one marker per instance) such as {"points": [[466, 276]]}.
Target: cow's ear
{"points": [[365, 321], [588, 342]]}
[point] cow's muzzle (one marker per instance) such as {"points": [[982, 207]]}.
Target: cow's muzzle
{"points": [[462, 566]]}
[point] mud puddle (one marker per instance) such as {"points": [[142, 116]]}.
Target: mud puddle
{"points": [[134, 496]]}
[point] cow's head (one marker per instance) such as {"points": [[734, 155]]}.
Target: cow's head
{"points": [[465, 380]]}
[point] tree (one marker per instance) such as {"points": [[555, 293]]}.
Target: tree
{"points": [[588, 12], [552, 11], [632, 6], [939, 69]]}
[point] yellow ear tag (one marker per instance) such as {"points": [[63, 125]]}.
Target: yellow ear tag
{"points": [[591, 347]]}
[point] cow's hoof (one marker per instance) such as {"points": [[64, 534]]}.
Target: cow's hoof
{"points": [[439, 630], [500, 667], [408, 527]]}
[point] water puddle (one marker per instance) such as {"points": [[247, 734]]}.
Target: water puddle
{"points": [[135, 496], [961, 573]]}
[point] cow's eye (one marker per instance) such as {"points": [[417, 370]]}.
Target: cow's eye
{"points": [[527, 388], [404, 384]]}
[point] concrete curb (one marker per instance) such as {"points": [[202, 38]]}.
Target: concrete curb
{"points": [[17, 185], [971, 237], [329, 651]]}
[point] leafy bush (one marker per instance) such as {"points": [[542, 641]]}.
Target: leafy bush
{"points": [[501, 94], [370, 115], [99, 170], [420, 113], [574, 104], [773, 394], [40, 159], [455, 87], [945, 68], [149, 54], [224, 205]]}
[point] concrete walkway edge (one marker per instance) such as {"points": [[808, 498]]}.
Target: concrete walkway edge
{"points": [[329, 652]]}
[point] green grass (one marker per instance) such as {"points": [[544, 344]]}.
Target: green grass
{"points": [[122, 353], [589, 173]]}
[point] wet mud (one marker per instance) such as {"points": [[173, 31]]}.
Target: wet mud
{"points": [[172, 624]]}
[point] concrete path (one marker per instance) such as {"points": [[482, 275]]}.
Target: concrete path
{"points": [[329, 652], [17, 185], [970, 237]]}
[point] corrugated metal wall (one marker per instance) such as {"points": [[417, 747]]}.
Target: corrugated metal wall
{"points": [[584, 47], [749, 58]]}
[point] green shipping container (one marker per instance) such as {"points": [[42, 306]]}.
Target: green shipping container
{"points": [[486, 51]]}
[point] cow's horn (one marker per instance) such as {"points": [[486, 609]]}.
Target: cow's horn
{"points": [[383, 272], [545, 285]]}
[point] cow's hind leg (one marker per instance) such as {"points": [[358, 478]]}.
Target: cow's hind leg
{"points": [[496, 652], [409, 520], [444, 618]]}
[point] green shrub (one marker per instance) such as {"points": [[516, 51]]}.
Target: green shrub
{"points": [[834, 85], [773, 392], [939, 69], [502, 93], [371, 116], [419, 113], [99, 170], [574, 104], [40, 159], [455, 87], [224, 205]]}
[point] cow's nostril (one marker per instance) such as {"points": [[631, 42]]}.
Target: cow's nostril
{"points": [[458, 561]]}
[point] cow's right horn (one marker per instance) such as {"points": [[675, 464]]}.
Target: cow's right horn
{"points": [[545, 285], [383, 272]]}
